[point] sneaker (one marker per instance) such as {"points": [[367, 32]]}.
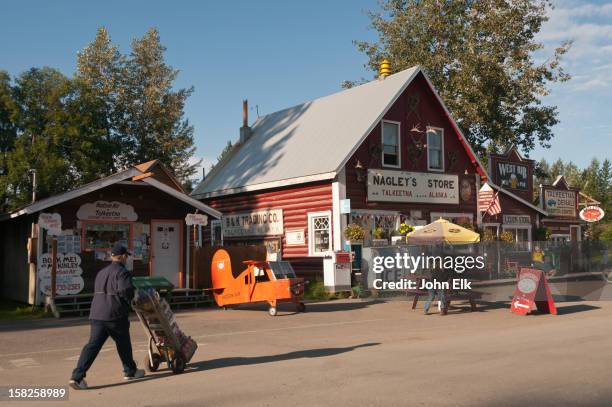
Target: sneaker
{"points": [[78, 384], [139, 373]]}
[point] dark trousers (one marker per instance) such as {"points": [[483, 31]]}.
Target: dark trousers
{"points": [[119, 330]]}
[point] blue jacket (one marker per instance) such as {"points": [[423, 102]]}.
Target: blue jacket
{"points": [[112, 293]]}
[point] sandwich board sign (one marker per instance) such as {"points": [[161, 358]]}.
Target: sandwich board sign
{"points": [[532, 289]]}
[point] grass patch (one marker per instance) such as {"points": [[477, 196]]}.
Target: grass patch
{"points": [[12, 310], [315, 290]]}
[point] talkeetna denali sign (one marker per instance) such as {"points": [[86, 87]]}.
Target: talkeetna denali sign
{"points": [[403, 186], [512, 175]]}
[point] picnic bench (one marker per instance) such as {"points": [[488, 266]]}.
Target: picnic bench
{"points": [[451, 295]]}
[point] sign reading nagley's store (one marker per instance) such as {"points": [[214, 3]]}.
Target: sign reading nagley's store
{"points": [[403, 186], [511, 175], [257, 223], [560, 203]]}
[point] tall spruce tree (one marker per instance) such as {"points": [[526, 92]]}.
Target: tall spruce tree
{"points": [[100, 69], [152, 119], [479, 54]]}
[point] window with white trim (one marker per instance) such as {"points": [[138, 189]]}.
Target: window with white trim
{"points": [[390, 144], [435, 149], [319, 233]]}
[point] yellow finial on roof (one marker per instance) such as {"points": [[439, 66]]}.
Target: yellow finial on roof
{"points": [[385, 69]]}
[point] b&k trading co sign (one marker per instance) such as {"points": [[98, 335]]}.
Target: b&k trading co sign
{"points": [[257, 223], [403, 186]]}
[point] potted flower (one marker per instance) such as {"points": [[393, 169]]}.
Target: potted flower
{"points": [[379, 237], [405, 229], [354, 232]]}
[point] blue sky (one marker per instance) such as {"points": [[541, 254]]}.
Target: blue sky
{"points": [[280, 53]]}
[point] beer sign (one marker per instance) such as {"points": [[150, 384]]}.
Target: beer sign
{"points": [[512, 175]]}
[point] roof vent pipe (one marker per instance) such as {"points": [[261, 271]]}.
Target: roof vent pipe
{"points": [[245, 130]]}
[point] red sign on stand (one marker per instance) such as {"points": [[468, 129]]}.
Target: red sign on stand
{"points": [[532, 289]]}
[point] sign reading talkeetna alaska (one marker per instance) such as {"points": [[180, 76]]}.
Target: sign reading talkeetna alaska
{"points": [[560, 203], [512, 175], [403, 186]]}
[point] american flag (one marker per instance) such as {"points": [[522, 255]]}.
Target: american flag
{"points": [[494, 207]]}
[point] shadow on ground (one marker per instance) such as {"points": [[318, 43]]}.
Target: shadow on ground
{"points": [[256, 360], [311, 307], [244, 361], [572, 309]]}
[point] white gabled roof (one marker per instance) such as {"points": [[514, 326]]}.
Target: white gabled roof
{"points": [[118, 177], [312, 141], [307, 142]]}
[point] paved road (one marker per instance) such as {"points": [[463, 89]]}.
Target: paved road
{"points": [[341, 353]]}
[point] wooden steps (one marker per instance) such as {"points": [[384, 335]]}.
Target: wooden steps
{"points": [[80, 304]]}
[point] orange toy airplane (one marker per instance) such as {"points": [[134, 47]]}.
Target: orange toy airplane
{"points": [[261, 281]]}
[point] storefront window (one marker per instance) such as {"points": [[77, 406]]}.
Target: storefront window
{"points": [[319, 233], [435, 148], [522, 236], [391, 144], [102, 236]]}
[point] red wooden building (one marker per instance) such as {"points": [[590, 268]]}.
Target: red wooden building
{"points": [[387, 149], [562, 204], [511, 180]]}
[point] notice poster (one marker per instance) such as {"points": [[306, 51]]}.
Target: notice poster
{"points": [[68, 274]]}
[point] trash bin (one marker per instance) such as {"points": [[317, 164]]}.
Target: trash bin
{"points": [[160, 284]]}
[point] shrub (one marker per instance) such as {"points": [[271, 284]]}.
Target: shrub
{"points": [[354, 232]]}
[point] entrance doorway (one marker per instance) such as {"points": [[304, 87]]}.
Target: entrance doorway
{"points": [[167, 249], [575, 233]]}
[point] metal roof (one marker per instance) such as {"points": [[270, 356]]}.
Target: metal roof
{"points": [[516, 198], [118, 177], [307, 142]]}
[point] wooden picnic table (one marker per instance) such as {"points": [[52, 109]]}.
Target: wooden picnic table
{"points": [[451, 295]]}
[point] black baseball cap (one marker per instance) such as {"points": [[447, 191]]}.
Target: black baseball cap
{"points": [[119, 249]]}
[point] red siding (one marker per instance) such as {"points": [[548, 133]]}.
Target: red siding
{"points": [[295, 201], [511, 206], [428, 112]]}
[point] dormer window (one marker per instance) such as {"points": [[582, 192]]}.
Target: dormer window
{"points": [[390, 144], [435, 149]]}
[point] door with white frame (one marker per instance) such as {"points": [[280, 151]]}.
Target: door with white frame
{"points": [[166, 243]]}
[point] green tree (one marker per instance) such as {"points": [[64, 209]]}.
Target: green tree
{"points": [[8, 132], [152, 122], [43, 139], [479, 54], [100, 69]]}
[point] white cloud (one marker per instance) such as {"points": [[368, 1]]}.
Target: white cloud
{"points": [[590, 27]]}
